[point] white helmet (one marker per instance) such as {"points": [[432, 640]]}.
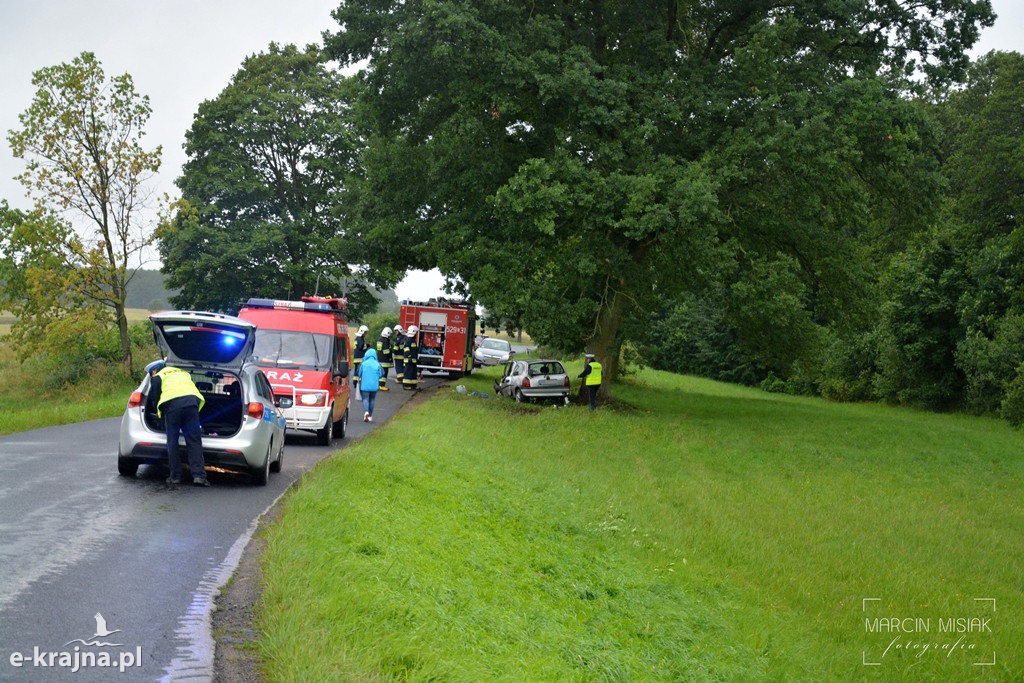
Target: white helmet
{"points": [[386, 332], [399, 329], [412, 330], [363, 329]]}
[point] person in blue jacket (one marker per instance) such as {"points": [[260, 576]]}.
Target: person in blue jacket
{"points": [[369, 374]]}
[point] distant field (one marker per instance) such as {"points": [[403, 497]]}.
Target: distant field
{"points": [[6, 319]]}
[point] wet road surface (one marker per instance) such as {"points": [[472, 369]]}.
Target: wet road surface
{"points": [[77, 541]]}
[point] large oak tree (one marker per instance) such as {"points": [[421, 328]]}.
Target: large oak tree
{"points": [[573, 161], [264, 191]]}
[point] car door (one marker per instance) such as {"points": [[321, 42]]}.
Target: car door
{"points": [[504, 385]]}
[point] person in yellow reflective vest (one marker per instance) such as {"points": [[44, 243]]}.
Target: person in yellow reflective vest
{"points": [[178, 402], [411, 355], [384, 356], [591, 377], [398, 353]]}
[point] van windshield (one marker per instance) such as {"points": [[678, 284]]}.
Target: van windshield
{"points": [[290, 349]]}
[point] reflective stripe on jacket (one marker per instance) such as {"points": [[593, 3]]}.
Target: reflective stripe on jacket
{"points": [[175, 383], [384, 352]]}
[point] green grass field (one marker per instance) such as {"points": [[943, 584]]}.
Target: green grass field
{"points": [[694, 531]]}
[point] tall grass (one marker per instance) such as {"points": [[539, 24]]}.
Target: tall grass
{"points": [[29, 401], [692, 531]]}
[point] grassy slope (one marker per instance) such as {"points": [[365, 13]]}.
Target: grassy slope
{"points": [[701, 532]]}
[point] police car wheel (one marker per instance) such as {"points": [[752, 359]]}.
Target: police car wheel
{"points": [[279, 463], [127, 467], [261, 474]]}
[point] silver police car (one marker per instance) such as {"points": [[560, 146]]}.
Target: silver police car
{"points": [[243, 429]]}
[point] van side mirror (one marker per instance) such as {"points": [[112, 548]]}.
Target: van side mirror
{"points": [[342, 371]]}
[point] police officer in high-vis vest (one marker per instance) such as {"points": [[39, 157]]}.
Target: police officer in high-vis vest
{"points": [[178, 402], [384, 357], [398, 353], [591, 377], [411, 352]]}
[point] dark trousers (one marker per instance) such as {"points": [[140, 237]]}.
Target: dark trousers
{"points": [[410, 376], [592, 394], [181, 416]]}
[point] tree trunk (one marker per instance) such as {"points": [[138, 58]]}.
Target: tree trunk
{"points": [[604, 344], [126, 341]]}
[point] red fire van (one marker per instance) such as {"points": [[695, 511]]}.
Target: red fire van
{"points": [[303, 348]]}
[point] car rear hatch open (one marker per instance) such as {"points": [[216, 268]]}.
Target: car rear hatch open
{"points": [[203, 339]]}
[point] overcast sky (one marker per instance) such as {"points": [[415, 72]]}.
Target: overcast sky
{"points": [[182, 52]]}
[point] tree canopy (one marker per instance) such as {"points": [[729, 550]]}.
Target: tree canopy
{"points": [[575, 163], [264, 190]]}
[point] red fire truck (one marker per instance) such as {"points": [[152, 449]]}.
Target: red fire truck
{"points": [[447, 328], [303, 348]]}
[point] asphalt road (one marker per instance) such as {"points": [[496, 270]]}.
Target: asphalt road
{"points": [[77, 540]]}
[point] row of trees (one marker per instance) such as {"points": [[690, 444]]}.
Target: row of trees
{"points": [[944, 323], [749, 190], [578, 164]]}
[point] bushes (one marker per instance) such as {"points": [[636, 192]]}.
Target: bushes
{"points": [[1012, 407], [74, 348], [377, 322]]}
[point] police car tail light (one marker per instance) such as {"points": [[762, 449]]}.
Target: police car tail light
{"points": [[135, 400], [256, 409], [311, 399]]}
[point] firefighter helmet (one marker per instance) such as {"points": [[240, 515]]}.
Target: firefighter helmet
{"points": [[412, 330], [386, 332], [363, 329]]}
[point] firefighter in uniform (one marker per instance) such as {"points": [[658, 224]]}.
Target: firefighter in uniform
{"points": [[411, 354], [591, 377], [178, 402], [384, 357], [398, 353], [357, 352]]}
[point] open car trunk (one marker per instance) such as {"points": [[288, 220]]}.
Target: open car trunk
{"points": [[221, 414]]}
